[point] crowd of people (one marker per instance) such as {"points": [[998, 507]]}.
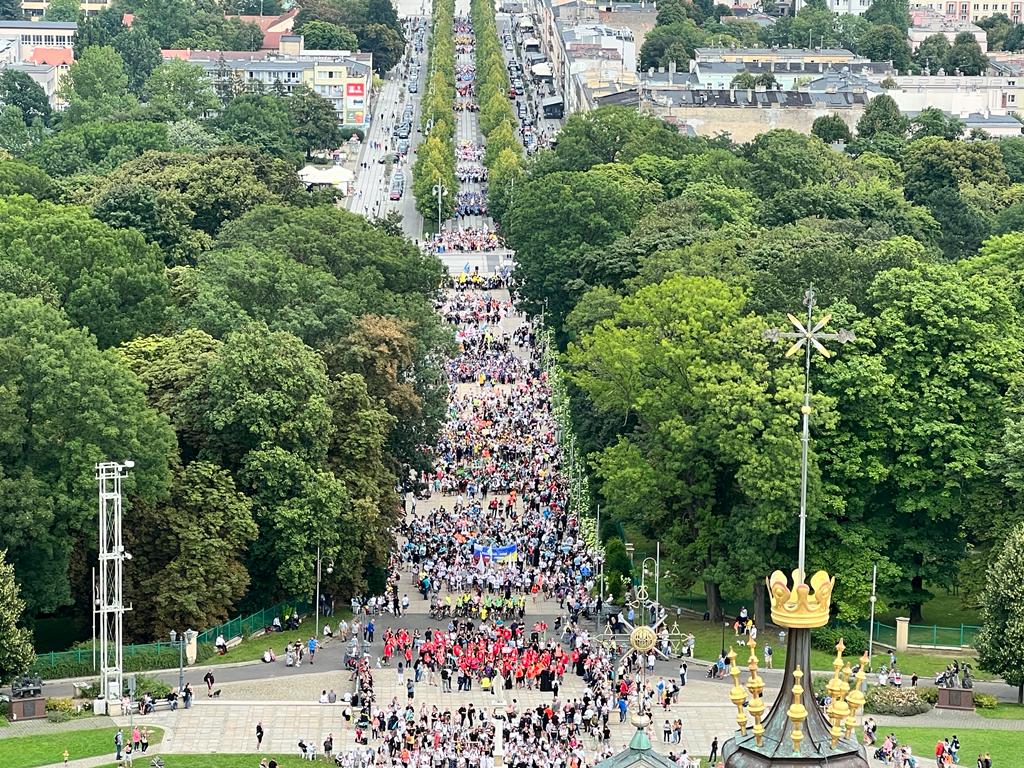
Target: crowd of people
{"points": [[470, 171], [471, 203], [465, 239]]}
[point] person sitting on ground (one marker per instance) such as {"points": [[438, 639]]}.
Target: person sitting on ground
{"points": [[221, 645], [327, 631], [269, 656], [276, 624]]}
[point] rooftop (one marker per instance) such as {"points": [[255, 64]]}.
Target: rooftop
{"points": [[40, 25], [743, 98]]}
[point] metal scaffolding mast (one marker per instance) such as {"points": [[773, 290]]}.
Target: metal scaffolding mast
{"points": [[110, 598]]}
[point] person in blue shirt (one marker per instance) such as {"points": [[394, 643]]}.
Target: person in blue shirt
{"points": [[312, 645]]}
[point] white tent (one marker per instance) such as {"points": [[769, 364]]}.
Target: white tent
{"points": [[541, 71], [336, 176]]}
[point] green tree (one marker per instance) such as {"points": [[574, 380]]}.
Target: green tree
{"points": [[935, 164], [892, 12], [263, 122], [557, 217], [383, 12], [384, 43], [660, 364], [180, 89], [98, 146], [96, 86], [48, 448], [20, 178], [918, 360], [831, 128], [933, 54], [670, 42], [997, 28], [932, 121], [189, 550], [314, 119], [14, 135], [882, 116], [10, 10], [16, 653], [782, 160], [63, 10], [608, 135], [108, 281], [616, 567], [887, 43], [1002, 612], [19, 90], [98, 29], [965, 56], [322, 35], [141, 55]]}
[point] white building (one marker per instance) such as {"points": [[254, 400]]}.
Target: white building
{"points": [[38, 34], [925, 23], [342, 77]]}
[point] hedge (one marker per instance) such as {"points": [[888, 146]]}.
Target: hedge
{"points": [[854, 638], [79, 663], [890, 700]]}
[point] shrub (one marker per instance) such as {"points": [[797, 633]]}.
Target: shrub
{"points": [[855, 639], [58, 716], [929, 693], [985, 700], [78, 663], [889, 700], [61, 704], [155, 688]]}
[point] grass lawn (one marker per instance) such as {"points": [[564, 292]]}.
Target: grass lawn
{"points": [[1003, 745], [45, 749], [252, 650], [709, 642], [1003, 712]]}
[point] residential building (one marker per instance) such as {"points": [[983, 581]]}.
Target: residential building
{"points": [[969, 10], [746, 113], [342, 77], [30, 35], [959, 95], [717, 75], [36, 8], [924, 23], [778, 55]]}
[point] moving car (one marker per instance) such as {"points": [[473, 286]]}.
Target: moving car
{"points": [[397, 186]]}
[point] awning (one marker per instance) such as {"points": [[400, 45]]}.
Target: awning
{"points": [[331, 175], [541, 70]]}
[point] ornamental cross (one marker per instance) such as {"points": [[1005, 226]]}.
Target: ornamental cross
{"points": [[808, 336]]}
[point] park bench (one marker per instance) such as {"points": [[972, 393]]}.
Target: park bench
{"points": [[233, 642]]}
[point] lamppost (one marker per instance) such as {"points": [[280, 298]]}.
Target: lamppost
{"points": [[181, 640], [440, 192], [330, 570], [725, 625], [871, 625]]}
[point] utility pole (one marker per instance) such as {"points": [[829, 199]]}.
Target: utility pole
{"points": [[112, 555], [873, 599], [440, 192]]}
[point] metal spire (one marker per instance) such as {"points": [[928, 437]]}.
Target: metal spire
{"points": [[808, 335]]}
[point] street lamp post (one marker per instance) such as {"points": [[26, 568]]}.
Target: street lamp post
{"points": [[181, 659], [440, 192], [725, 624], [871, 625], [330, 570]]}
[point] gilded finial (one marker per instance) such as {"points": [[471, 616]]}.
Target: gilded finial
{"points": [[838, 709], [736, 694], [755, 685], [856, 696], [797, 712]]}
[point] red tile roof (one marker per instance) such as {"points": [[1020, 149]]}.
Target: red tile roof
{"points": [[55, 57]]}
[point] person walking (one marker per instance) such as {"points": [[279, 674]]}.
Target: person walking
{"points": [[209, 680], [119, 743], [312, 644], [145, 740], [188, 695], [259, 735], [713, 755]]}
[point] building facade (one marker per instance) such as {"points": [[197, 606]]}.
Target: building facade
{"points": [[342, 77]]}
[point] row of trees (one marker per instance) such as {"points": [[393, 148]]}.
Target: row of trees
{"points": [[435, 156], [659, 259], [171, 294], [503, 151]]}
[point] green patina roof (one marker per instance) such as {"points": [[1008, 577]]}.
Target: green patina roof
{"points": [[638, 754]]}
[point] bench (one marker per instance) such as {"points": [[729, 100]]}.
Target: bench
{"points": [[233, 642], [258, 633]]}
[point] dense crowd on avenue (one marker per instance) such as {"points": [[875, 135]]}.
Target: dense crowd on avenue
{"points": [[465, 239], [471, 203]]}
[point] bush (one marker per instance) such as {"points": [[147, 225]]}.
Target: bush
{"points": [[155, 688], [855, 639], [890, 700], [79, 663], [985, 700], [62, 704], [929, 693], [58, 716]]}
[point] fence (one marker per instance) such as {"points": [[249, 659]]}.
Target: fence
{"points": [[942, 637], [79, 661], [246, 625]]}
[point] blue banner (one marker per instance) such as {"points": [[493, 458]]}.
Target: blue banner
{"points": [[496, 554]]}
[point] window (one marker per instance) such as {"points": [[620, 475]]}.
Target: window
{"points": [[1012, 98]]}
